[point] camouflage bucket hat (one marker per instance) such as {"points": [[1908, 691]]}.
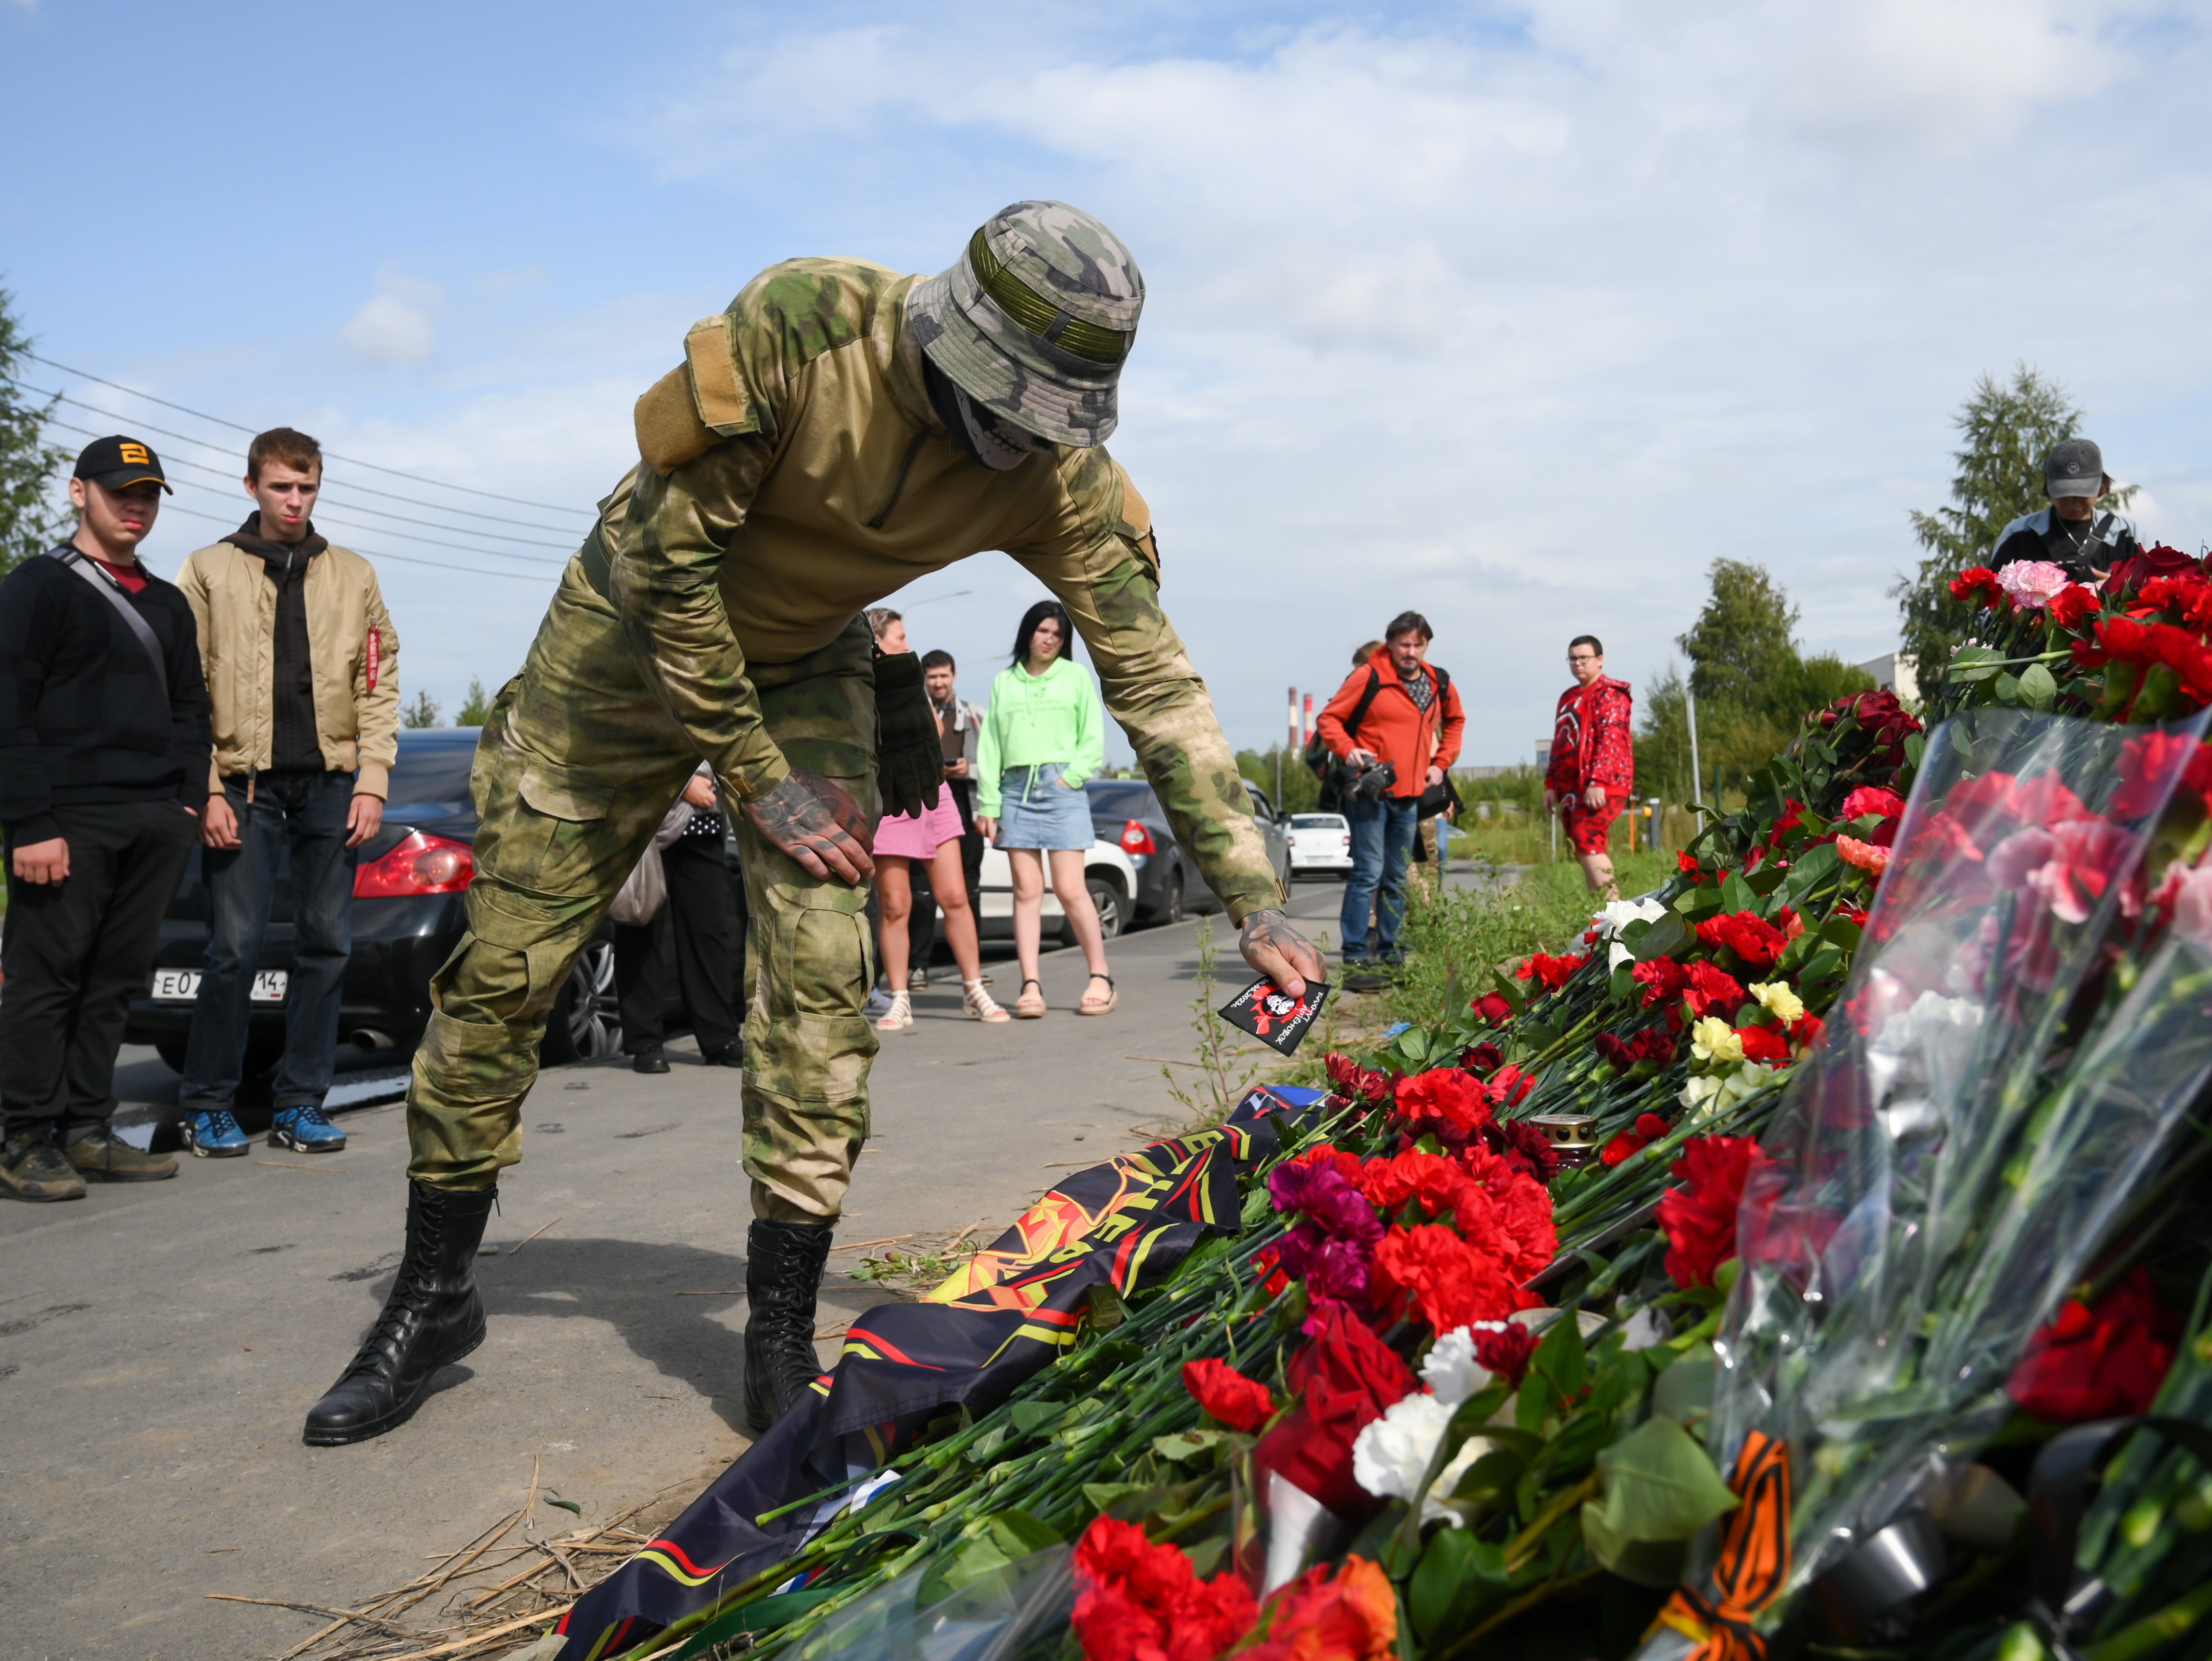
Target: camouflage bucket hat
{"points": [[1035, 319]]}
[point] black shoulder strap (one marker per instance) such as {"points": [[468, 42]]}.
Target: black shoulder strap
{"points": [[112, 590], [1367, 702], [1443, 683]]}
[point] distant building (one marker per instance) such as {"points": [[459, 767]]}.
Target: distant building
{"points": [[1544, 756], [1893, 673]]}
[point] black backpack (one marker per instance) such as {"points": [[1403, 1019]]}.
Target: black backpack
{"points": [[1329, 769]]}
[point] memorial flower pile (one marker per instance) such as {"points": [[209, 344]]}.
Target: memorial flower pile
{"points": [[1661, 1275]]}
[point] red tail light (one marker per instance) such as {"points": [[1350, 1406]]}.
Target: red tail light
{"points": [[420, 865], [1135, 839]]}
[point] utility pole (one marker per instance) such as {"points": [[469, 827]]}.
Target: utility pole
{"points": [[1290, 743], [1690, 697]]}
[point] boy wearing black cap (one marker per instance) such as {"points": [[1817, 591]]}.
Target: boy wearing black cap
{"points": [[104, 749], [2070, 534]]}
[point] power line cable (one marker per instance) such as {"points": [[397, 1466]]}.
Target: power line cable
{"points": [[352, 461], [350, 507], [349, 484], [372, 553], [538, 560]]}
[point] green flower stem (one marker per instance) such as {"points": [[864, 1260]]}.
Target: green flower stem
{"points": [[2176, 1620]]}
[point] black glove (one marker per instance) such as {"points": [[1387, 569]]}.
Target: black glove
{"points": [[909, 756]]}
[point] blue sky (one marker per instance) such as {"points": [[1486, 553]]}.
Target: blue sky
{"points": [[1519, 315]]}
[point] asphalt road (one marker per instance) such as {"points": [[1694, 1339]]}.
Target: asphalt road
{"points": [[160, 1342]]}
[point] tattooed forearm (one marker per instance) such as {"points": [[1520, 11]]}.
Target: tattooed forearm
{"points": [[818, 824], [1278, 951]]}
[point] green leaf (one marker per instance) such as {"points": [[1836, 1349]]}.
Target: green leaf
{"points": [[1684, 1392], [2007, 689], [1765, 881], [1916, 746], [985, 1448], [1559, 1366], [1645, 1562], [1737, 895], [1104, 1496], [2039, 687], [1459, 1580], [569, 1506], [1488, 1482], [1188, 1445], [1659, 1485], [1975, 663], [1841, 931], [1664, 939], [1018, 1534], [1030, 1417]]}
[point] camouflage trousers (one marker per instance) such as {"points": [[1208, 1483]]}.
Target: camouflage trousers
{"points": [[577, 766]]}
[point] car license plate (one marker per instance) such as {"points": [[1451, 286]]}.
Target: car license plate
{"points": [[183, 986]]}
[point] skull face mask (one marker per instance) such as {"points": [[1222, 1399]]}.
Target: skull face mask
{"points": [[993, 440]]}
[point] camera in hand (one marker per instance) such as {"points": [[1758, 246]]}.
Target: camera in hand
{"points": [[1369, 782]]}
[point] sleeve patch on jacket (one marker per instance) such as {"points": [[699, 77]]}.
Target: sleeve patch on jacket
{"points": [[668, 430], [723, 404]]}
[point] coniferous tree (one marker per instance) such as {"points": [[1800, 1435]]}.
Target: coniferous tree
{"points": [[32, 516], [477, 706]]}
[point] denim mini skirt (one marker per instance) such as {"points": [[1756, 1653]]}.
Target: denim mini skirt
{"points": [[1037, 810]]}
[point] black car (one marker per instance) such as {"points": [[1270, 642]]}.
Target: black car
{"points": [[407, 915], [1126, 813]]}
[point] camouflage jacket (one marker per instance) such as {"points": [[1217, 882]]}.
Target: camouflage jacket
{"points": [[794, 473]]}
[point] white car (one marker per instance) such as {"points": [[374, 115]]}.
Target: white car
{"points": [[1106, 871], [1321, 845]]}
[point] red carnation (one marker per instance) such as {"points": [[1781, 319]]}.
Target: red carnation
{"points": [[1508, 1087], [1492, 1008], [1430, 1179], [1443, 1102], [1807, 1029], [2073, 606], [1977, 585], [1699, 1216], [1504, 1350], [1686, 863], [2148, 647], [1754, 940], [1650, 1128], [1663, 980], [1481, 1059], [1763, 1043], [1548, 972], [1361, 1084], [1136, 1601], [1239, 1402], [1524, 1148], [2187, 595], [1353, 1616], [2103, 1362], [1449, 1282], [2147, 762], [1713, 991], [1515, 1225]]}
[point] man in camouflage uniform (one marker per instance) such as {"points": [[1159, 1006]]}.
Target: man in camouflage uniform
{"points": [[839, 431]]}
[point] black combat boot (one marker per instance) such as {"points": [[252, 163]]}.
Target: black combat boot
{"points": [[783, 1271], [433, 1316]]}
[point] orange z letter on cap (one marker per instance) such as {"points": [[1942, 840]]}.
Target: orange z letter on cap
{"points": [[135, 455]]}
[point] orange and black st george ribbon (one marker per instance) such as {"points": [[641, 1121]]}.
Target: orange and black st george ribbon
{"points": [[1719, 1615]]}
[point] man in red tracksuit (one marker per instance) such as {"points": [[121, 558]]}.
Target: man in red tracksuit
{"points": [[1593, 770], [1395, 708]]}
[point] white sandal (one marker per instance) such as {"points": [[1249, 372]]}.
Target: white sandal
{"points": [[899, 1016], [979, 1004]]}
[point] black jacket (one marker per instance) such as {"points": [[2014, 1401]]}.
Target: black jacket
{"points": [[82, 716], [2079, 548]]}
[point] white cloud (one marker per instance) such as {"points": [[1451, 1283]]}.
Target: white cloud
{"points": [[395, 325]]}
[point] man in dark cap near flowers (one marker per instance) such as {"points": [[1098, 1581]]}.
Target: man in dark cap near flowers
{"points": [[838, 432], [2070, 534]]}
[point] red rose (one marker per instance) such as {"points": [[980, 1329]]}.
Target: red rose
{"points": [[2148, 646], [1239, 1402], [1699, 1216], [1481, 1059], [1611, 1051], [1350, 1617], [2155, 561], [1492, 1008], [1360, 1084], [2100, 1363], [1663, 980], [2147, 762], [1136, 1601], [1346, 1379], [1443, 1102], [1686, 863], [2073, 606], [1449, 1282], [1754, 940]]}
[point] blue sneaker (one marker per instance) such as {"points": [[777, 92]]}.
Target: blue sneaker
{"points": [[215, 1136], [308, 1129]]}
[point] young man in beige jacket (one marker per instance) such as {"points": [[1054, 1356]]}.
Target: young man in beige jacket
{"points": [[303, 667]]}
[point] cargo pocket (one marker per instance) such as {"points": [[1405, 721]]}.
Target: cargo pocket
{"points": [[554, 837], [807, 1038], [509, 966]]}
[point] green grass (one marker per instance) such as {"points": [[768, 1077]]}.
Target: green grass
{"points": [[1470, 930]]}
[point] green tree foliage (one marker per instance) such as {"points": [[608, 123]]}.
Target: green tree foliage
{"points": [[2005, 431], [477, 706], [422, 712], [1752, 684], [32, 517], [1301, 790]]}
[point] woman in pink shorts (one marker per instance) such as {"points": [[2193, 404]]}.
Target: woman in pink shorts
{"points": [[932, 837]]}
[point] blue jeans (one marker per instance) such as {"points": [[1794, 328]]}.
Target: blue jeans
{"points": [[305, 812], [1382, 843]]}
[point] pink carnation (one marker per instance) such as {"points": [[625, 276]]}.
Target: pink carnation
{"points": [[1865, 856], [2032, 582]]}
